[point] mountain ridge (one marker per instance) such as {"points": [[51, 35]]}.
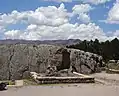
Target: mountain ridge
{"points": [[50, 42]]}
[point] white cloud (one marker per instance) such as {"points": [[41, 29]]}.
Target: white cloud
{"points": [[96, 2], [116, 33], [14, 34], [65, 31], [47, 23], [50, 15], [113, 34], [84, 18], [88, 32], [113, 15], [32, 27], [82, 10]]}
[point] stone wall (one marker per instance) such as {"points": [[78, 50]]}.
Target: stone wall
{"points": [[79, 78], [17, 60]]}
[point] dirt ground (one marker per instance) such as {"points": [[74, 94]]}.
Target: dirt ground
{"points": [[106, 85]]}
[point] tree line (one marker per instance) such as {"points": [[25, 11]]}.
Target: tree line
{"points": [[108, 49]]}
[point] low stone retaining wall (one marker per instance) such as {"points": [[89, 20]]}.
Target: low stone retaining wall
{"points": [[57, 80]]}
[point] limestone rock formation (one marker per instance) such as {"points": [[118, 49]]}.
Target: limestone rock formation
{"points": [[113, 64], [18, 59], [85, 62]]}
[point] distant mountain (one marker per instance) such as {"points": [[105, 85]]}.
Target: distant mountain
{"points": [[51, 42]]}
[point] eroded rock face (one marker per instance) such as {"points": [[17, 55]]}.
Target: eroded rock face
{"points": [[85, 62], [17, 60]]}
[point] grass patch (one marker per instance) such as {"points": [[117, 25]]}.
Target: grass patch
{"points": [[8, 82]]}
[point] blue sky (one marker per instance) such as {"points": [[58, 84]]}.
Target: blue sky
{"points": [[96, 15]]}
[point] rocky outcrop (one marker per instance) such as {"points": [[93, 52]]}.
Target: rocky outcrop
{"points": [[113, 64], [85, 62], [16, 61]]}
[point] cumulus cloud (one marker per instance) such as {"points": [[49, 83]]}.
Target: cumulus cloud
{"points": [[65, 31], [14, 34], [82, 11], [51, 16], [48, 23], [113, 15]]}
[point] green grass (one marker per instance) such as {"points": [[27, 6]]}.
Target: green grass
{"points": [[9, 82]]}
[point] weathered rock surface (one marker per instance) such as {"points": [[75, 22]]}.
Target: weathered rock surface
{"points": [[17, 60], [85, 62], [113, 64]]}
